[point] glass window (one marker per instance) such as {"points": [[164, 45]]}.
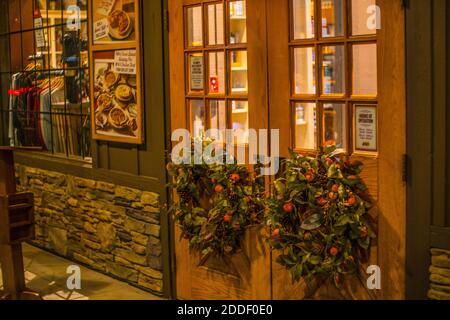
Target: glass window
{"points": [[332, 18], [305, 126], [329, 67], [215, 24], [303, 17], [238, 22], [239, 120], [305, 70], [364, 17], [194, 26], [45, 75], [217, 72], [198, 117], [218, 115], [238, 63], [365, 69], [335, 124], [216, 68], [333, 69]]}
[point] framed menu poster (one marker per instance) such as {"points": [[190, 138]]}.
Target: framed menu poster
{"points": [[114, 21], [117, 112], [366, 128], [117, 109]]}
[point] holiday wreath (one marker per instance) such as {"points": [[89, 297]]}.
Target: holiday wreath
{"points": [[319, 217], [216, 203]]}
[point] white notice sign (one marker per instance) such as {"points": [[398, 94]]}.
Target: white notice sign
{"points": [[39, 33], [125, 61], [101, 29], [366, 128], [197, 76]]}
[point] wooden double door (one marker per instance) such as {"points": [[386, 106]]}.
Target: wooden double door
{"points": [[319, 71]]}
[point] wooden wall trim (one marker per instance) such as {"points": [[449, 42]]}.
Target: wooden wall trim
{"points": [[419, 147], [439, 114], [392, 145], [85, 170]]}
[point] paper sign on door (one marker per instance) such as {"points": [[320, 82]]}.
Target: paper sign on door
{"points": [[366, 126]]}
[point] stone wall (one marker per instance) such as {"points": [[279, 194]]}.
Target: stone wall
{"points": [[439, 275], [110, 228]]}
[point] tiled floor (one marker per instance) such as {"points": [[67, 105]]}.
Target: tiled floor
{"points": [[46, 274]]}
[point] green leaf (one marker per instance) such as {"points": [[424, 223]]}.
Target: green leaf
{"points": [[312, 223], [315, 260]]}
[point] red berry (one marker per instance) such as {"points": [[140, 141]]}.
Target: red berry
{"points": [[334, 251], [321, 201], [352, 201], [289, 207], [332, 196], [227, 218], [214, 181], [309, 177], [335, 188], [235, 177], [218, 188], [276, 233]]}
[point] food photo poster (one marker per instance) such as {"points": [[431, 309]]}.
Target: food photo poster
{"points": [[114, 21], [117, 112]]}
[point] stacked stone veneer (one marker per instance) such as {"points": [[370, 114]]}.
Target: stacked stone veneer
{"points": [[110, 228], [439, 275]]}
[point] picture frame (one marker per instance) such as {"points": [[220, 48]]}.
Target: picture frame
{"points": [[116, 99], [117, 110], [114, 21], [365, 128]]}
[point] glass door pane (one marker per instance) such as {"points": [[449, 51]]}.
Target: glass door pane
{"points": [[332, 18], [333, 69], [215, 24], [238, 74], [198, 117], [303, 17], [305, 126], [239, 120], [364, 17], [216, 72], [237, 22], [305, 70], [365, 69], [194, 26], [335, 124]]}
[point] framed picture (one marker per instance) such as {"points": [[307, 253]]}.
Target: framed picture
{"points": [[114, 21], [116, 98], [366, 128]]}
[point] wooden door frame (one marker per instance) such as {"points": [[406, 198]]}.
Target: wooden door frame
{"points": [[391, 249], [258, 115], [392, 149], [392, 146]]}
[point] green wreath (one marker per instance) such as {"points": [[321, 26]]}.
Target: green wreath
{"points": [[216, 203], [319, 217]]}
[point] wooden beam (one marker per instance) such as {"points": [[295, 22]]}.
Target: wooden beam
{"points": [[392, 126], [419, 133]]}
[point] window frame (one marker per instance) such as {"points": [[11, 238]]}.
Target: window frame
{"points": [[348, 40]]}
